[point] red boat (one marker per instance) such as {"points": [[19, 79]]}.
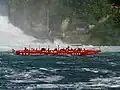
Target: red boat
{"points": [[57, 52]]}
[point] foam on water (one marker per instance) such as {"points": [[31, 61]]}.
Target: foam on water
{"points": [[104, 82], [99, 83], [50, 86], [96, 70], [64, 73], [33, 76]]}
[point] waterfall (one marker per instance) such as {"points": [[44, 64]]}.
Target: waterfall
{"points": [[64, 26], [13, 37]]}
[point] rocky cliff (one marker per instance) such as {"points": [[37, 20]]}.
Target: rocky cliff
{"points": [[86, 22]]}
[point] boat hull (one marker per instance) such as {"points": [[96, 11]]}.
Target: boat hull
{"points": [[56, 52]]}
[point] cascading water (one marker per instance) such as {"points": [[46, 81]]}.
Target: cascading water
{"points": [[64, 26], [11, 36]]}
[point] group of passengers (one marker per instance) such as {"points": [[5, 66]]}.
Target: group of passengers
{"points": [[57, 49]]}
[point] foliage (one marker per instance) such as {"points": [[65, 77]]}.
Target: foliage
{"points": [[114, 1], [86, 9]]}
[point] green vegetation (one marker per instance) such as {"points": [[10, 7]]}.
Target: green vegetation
{"points": [[105, 32]]}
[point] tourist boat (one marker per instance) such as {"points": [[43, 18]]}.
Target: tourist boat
{"points": [[57, 52]]}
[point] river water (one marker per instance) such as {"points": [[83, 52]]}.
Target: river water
{"points": [[101, 71]]}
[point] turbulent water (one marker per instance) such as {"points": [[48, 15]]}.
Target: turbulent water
{"points": [[60, 73]]}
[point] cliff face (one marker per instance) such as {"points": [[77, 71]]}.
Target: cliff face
{"points": [[30, 16], [87, 22]]}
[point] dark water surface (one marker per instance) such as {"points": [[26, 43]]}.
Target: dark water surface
{"points": [[100, 72]]}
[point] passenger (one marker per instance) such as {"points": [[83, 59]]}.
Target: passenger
{"points": [[25, 48], [33, 49], [80, 49], [55, 49], [43, 49], [62, 49], [48, 49], [68, 48]]}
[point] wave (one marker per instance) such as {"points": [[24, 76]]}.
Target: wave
{"points": [[33, 76], [98, 83]]}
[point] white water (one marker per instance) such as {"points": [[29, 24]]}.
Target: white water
{"points": [[13, 37], [10, 36]]}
